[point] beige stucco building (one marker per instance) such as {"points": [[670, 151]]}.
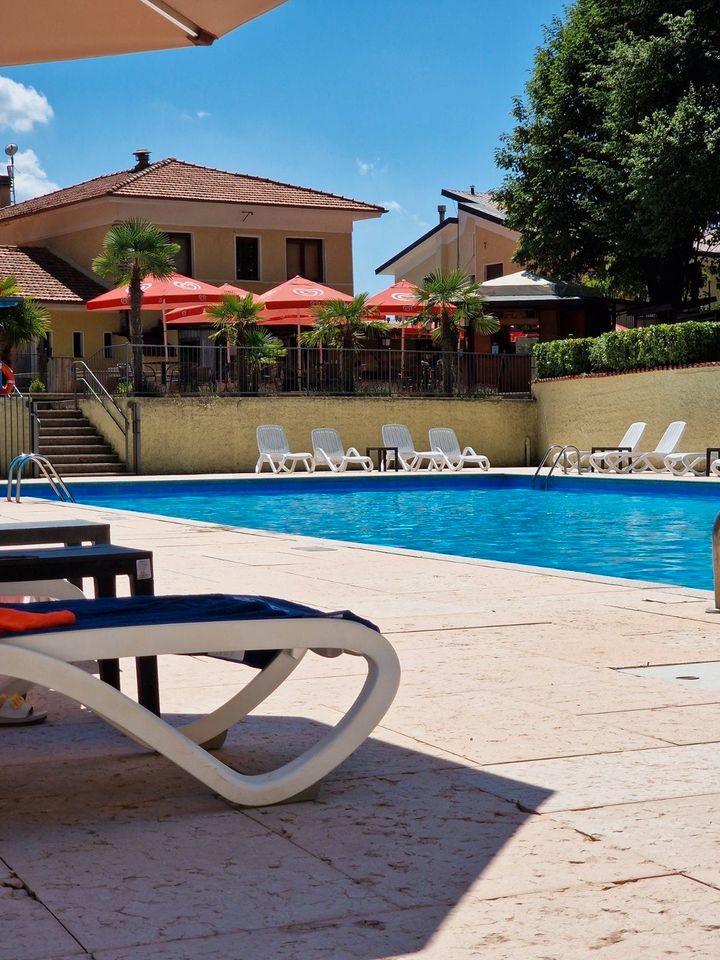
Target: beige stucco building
{"points": [[231, 227], [476, 240]]}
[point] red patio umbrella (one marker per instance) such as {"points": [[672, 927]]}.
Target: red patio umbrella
{"points": [[399, 299], [197, 315], [299, 295], [174, 291]]}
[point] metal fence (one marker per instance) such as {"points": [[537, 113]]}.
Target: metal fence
{"points": [[316, 370], [18, 428]]}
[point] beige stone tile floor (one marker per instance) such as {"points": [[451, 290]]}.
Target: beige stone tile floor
{"points": [[522, 800]]}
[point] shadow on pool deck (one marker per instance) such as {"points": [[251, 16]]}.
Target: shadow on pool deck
{"points": [[131, 856]]}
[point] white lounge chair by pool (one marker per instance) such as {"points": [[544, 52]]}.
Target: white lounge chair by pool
{"points": [[274, 636], [686, 464], [398, 435], [445, 441], [630, 440], [328, 451], [652, 460], [275, 451]]}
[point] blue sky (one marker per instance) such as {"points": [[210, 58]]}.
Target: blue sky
{"points": [[388, 101]]}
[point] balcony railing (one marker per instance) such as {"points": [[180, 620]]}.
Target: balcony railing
{"points": [[308, 371]]}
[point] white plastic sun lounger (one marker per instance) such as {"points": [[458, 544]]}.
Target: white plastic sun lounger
{"points": [[653, 460], [445, 441], [629, 441], [328, 451], [686, 464], [275, 451], [398, 435], [274, 636]]}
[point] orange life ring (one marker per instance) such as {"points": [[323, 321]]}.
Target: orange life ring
{"points": [[8, 380]]}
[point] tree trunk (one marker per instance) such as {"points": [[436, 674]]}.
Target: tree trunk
{"points": [[447, 342], [136, 330], [348, 362]]}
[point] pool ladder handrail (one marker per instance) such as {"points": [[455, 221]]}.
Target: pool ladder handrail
{"points": [[15, 472], [562, 452]]}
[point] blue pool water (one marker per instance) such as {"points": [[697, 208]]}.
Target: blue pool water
{"points": [[644, 531]]}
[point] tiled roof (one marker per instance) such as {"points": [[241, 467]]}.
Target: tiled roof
{"points": [[42, 275], [172, 179], [479, 203]]}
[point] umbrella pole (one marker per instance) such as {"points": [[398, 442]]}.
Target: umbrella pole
{"points": [[165, 347], [299, 354]]}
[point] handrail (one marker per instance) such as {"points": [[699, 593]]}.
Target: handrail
{"points": [[98, 391], [561, 454], [15, 472], [544, 460]]}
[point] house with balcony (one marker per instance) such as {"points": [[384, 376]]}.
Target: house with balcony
{"points": [[477, 240], [231, 228]]}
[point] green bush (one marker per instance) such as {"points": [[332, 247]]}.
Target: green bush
{"points": [[659, 345], [36, 386], [562, 358]]}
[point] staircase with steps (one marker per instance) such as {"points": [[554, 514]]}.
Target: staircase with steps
{"points": [[71, 442]]}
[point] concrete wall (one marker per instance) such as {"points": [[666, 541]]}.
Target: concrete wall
{"points": [[217, 434], [107, 425], [589, 411]]}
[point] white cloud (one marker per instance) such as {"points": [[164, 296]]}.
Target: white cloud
{"points": [[392, 205], [30, 178], [365, 167], [22, 107], [198, 115]]}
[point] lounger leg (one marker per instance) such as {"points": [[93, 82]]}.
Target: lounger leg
{"points": [[208, 730]]}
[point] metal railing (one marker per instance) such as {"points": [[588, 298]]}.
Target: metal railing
{"points": [[312, 370], [19, 427], [15, 475], [560, 452], [86, 381]]}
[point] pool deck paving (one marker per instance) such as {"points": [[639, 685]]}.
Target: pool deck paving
{"points": [[521, 800]]}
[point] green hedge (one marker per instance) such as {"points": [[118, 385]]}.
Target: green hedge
{"points": [[659, 345]]}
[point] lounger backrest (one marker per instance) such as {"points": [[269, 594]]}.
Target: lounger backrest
{"points": [[671, 438], [632, 435], [328, 440], [397, 435], [444, 438], [271, 439]]}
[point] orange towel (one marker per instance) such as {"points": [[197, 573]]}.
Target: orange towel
{"points": [[18, 621]]}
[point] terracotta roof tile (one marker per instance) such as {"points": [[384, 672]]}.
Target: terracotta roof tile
{"points": [[172, 179], [44, 276]]}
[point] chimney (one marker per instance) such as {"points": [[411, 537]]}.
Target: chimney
{"points": [[442, 209], [142, 155], [472, 189], [5, 191]]}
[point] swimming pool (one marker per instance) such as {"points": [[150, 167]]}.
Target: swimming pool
{"points": [[657, 531]]}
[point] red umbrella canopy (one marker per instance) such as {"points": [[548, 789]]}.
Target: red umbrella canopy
{"points": [[399, 298], [289, 320], [299, 294], [196, 315], [158, 294]]}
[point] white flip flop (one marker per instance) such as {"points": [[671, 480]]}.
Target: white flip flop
{"points": [[15, 711]]}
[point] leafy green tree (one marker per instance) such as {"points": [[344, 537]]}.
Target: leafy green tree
{"points": [[613, 165], [132, 250], [234, 319], [261, 349], [345, 326], [454, 302], [24, 323]]}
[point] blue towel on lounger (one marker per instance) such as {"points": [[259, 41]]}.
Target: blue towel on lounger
{"points": [[104, 614]]}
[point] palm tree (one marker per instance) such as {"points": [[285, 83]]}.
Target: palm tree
{"points": [[234, 318], [132, 250], [345, 326], [261, 349], [20, 324], [455, 301]]}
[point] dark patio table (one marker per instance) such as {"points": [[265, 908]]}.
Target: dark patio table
{"points": [[382, 454], [71, 533], [103, 564], [709, 458]]}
